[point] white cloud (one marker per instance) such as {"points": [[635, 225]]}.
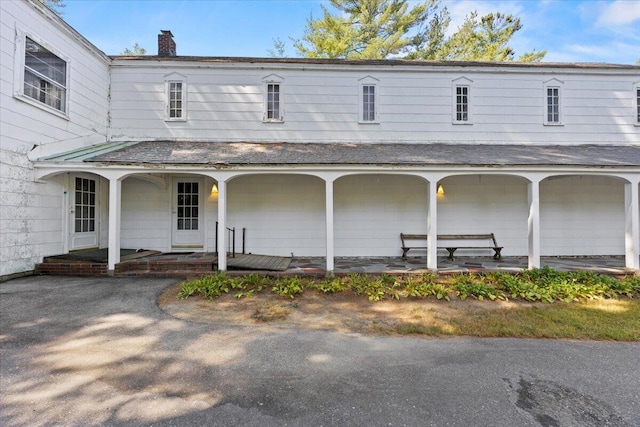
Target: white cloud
{"points": [[620, 12]]}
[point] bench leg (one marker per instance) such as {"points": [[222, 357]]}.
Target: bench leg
{"points": [[404, 253], [451, 251], [497, 254]]}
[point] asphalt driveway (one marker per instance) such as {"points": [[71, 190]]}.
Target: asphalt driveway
{"points": [[91, 351]]}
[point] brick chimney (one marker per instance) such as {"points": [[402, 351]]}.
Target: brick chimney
{"points": [[166, 45]]}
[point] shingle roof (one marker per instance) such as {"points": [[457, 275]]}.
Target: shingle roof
{"points": [[245, 153]]}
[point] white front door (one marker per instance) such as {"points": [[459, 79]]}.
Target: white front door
{"points": [[84, 213], [187, 213]]}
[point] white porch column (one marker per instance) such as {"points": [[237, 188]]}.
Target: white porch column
{"points": [[432, 225], [222, 225], [533, 189], [329, 225], [632, 226], [115, 193]]}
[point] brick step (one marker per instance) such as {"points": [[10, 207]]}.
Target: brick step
{"points": [[165, 266], [72, 269]]}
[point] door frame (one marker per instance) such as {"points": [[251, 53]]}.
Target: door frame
{"points": [[197, 244], [73, 237]]}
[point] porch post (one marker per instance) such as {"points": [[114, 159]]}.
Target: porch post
{"points": [[115, 191], [533, 189], [329, 224], [632, 226], [432, 226], [222, 225]]}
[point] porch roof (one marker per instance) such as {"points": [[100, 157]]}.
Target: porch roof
{"points": [[400, 154]]}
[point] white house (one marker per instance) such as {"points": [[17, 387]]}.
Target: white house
{"points": [[313, 157]]}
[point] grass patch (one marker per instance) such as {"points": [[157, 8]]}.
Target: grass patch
{"points": [[268, 312], [541, 303], [617, 320]]}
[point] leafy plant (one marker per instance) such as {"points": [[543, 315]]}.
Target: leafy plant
{"points": [[288, 287], [209, 286]]}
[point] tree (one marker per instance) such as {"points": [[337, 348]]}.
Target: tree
{"points": [[57, 6], [136, 51], [377, 29], [279, 49]]}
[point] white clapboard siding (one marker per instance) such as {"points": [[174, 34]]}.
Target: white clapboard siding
{"points": [[35, 211], [321, 104]]}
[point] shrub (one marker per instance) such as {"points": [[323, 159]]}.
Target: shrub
{"points": [[289, 287], [209, 287]]}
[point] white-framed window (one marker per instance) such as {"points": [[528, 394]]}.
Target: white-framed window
{"points": [[176, 97], [41, 76], [553, 102], [273, 99], [636, 99], [461, 114], [369, 103]]}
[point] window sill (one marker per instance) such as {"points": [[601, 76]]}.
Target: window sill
{"points": [[553, 124], [42, 106], [369, 122], [461, 123], [273, 121], [182, 119]]}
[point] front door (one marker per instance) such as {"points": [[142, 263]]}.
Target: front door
{"points": [[84, 213], [187, 214]]}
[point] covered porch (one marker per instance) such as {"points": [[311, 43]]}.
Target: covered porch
{"points": [[342, 201]]}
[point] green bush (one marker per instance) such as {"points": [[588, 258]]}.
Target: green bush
{"points": [[209, 287], [289, 287]]}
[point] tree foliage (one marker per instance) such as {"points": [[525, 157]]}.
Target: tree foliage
{"points": [[377, 29], [137, 50], [57, 6]]}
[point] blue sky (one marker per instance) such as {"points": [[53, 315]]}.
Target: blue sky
{"points": [[570, 30]]}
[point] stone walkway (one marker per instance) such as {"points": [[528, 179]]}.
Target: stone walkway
{"points": [[317, 265]]}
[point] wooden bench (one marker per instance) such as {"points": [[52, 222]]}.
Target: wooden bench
{"points": [[490, 238]]}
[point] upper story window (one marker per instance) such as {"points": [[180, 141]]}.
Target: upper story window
{"points": [[45, 76], [369, 96], [176, 95], [462, 101], [273, 100], [553, 102], [636, 91]]}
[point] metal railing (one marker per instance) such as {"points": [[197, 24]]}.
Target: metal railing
{"points": [[231, 240]]}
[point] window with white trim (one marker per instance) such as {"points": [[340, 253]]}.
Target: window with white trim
{"points": [[637, 104], [368, 100], [462, 103], [273, 102], [176, 98], [368, 103], [273, 99], [553, 102], [45, 76]]}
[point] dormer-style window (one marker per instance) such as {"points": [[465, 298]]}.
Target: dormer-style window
{"points": [[176, 96], [369, 96], [273, 99], [462, 101], [553, 102], [45, 76]]}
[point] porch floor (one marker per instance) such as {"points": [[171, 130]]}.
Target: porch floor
{"points": [[462, 264], [191, 263]]}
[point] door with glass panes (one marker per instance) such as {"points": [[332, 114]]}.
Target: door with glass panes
{"points": [[84, 213], [187, 213]]}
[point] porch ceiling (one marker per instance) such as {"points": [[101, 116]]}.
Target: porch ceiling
{"points": [[245, 153]]}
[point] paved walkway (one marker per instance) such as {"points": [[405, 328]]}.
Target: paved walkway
{"points": [[99, 351], [345, 265]]}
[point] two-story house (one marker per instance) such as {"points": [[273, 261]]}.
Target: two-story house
{"points": [[312, 157]]}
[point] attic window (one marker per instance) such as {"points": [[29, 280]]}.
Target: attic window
{"points": [[45, 76]]}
